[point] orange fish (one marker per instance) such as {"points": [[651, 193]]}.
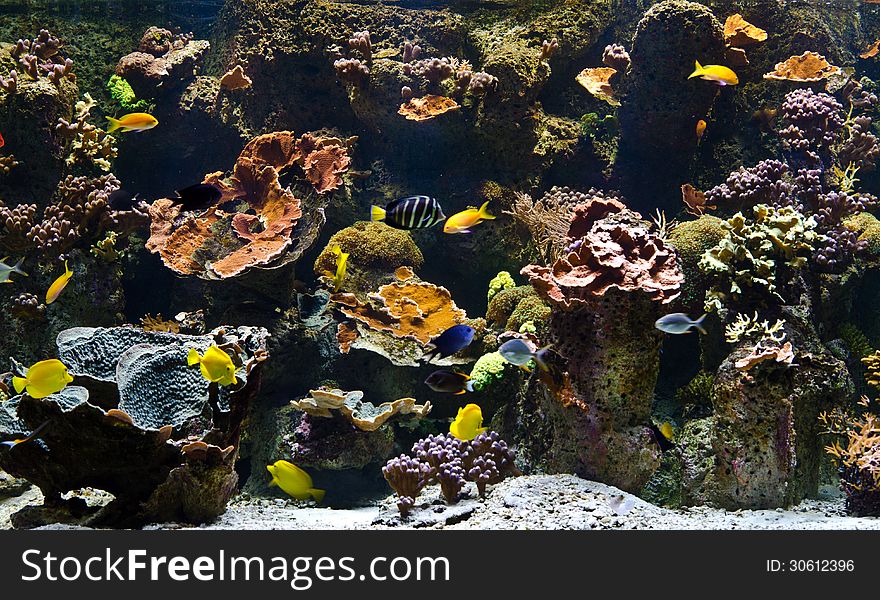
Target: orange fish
{"points": [[2, 141], [701, 129]]}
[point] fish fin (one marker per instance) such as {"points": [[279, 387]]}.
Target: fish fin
{"points": [[469, 385], [699, 324], [17, 267], [19, 383], [317, 494], [484, 211], [193, 357], [459, 393], [698, 70], [114, 124], [377, 213]]}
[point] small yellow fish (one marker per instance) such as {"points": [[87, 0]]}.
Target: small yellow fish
{"points": [[43, 379], [701, 129], [294, 481], [58, 285], [667, 431], [133, 122], [341, 264], [468, 423], [215, 364], [463, 221], [717, 73]]}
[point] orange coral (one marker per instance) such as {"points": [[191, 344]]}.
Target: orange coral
{"points": [[739, 32], [783, 355], [403, 273], [871, 51], [809, 66], [695, 200], [324, 165], [596, 81], [280, 149], [418, 310], [345, 335], [426, 107], [235, 79]]}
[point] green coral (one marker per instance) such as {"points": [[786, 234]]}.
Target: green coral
{"points": [[123, 95], [856, 341], [530, 309], [488, 369], [502, 281], [755, 258], [106, 249], [691, 239], [696, 396], [374, 245], [517, 307]]}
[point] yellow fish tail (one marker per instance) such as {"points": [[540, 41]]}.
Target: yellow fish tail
{"points": [[377, 213], [318, 495], [484, 211], [19, 383], [698, 70], [193, 357], [114, 124]]}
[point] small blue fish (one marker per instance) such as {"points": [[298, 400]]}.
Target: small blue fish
{"points": [[33, 435], [678, 323], [454, 339], [518, 352]]}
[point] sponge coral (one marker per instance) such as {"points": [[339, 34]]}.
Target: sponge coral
{"points": [[691, 239]]}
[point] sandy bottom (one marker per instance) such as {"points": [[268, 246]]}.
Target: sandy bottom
{"points": [[530, 502]]}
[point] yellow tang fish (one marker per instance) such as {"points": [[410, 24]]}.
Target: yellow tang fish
{"points": [[717, 73], [341, 265], [133, 122], [215, 364], [468, 423], [701, 129], [463, 221], [294, 481], [43, 379], [58, 285], [667, 430]]}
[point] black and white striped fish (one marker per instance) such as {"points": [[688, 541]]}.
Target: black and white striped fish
{"points": [[415, 212]]}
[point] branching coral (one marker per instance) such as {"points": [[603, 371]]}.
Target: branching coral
{"points": [[758, 256], [858, 457], [42, 54], [87, 144], [485, 460]]}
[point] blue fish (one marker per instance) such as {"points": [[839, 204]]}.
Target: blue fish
{"points": [[518, 352], [678, 323], [454, 339]]}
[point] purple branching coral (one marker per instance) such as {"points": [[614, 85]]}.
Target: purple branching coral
{"points": [[549, 48], [10, 84], [410, 52], [352, 70], [482, 83], [616, 57], [360, 41], [434, 70], [765, 183], [406, 476], [43, 53], [443, 459], [840, 243], [15, 222], [811, 121]]}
